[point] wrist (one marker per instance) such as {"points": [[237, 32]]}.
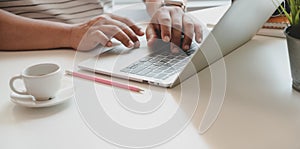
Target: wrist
{"points": [[58, 33], [66, 42], [72, 41], [152, 6], [176, 3], [76, 33]]}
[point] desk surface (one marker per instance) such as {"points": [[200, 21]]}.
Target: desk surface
{"points": [[260, 110]]}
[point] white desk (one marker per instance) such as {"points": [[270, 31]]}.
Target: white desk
{"points": [[261, 110]]}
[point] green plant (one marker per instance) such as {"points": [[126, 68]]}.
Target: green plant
{"points": [[293, 15]]}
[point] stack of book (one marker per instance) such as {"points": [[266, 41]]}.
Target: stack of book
{"points": [[274, 27]]}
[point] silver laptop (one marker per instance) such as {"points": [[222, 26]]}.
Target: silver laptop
{"points": [[158, 66]]}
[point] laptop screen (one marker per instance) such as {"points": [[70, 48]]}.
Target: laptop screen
{"points": [[237, 26]]}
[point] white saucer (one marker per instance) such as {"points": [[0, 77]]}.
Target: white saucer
{"points": [[65, 93]]}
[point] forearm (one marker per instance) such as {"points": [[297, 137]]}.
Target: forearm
{"points": [[20, 33]]}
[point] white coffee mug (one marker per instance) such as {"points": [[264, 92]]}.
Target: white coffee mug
{"points": [[42, 81]]}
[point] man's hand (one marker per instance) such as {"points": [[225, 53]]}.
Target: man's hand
{"points": [[101, 29], [84, 37], [169, 23]]}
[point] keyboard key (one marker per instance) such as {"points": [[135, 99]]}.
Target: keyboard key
{"points": [[170, 70], [180, 57], [158, 63], [162, 68], [153, 67], [165, 77], [151, 74], [171, 56], [146, 64], [137, 69], [144, 72], [178, 67], [165, 53], [160, 56], [126, 70], [157, 71], [132, 66], [164, 60], [167, 65], [155, 59], [174, 61], [160, 76], [145, 59]]}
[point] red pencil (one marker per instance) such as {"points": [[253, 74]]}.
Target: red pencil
{"points": [[103, 81]]}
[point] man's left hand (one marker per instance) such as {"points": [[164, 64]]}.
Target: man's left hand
{"points": [[169, 23]]}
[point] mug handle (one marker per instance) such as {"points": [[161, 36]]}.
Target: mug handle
{"points": [[12, 87]]}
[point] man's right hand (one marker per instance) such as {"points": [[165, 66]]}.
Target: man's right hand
{"points": [[101, 29]]}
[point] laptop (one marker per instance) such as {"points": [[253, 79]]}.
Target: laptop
{"points": [[158, 66]]}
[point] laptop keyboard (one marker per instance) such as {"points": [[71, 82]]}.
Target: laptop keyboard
{"points": [[161, 64]]}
